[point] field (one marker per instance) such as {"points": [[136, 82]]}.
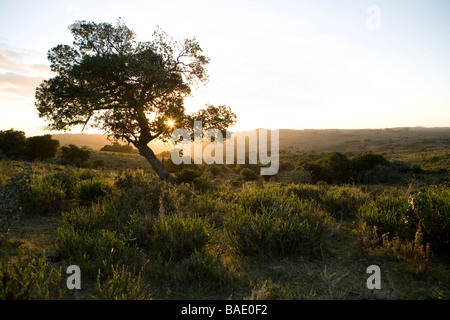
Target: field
{"points": [[223, 233]]}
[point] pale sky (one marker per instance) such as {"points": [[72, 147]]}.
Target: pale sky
{"points": [[277, 64]]}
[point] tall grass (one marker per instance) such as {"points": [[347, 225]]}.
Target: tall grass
{"points": [[267, 222], [424, 214]]}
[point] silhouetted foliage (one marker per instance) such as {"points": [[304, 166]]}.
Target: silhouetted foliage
{"points": [[187, 175], [365, 167], [15, 145], [248, 174], [367, 160], [380, 174], [41, 147], [12, 143], [117, 147], [334, 167], [74, 155], [127, 88]]}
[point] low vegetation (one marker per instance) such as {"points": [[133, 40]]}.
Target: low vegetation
{"points": [[222, 232]]}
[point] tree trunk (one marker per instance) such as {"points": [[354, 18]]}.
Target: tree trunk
{"points": [[148, 153]]}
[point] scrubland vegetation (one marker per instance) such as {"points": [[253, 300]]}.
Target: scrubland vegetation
{"points": [[223, 231]]}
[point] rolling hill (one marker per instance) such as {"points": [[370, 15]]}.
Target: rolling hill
{"points": [[319, 140]]}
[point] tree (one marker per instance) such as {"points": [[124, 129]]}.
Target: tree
{"points": [[41, 147], [131, 90], [12, 143]]}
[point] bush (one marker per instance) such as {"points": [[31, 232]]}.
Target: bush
{"points": [[176, 236], [380, 174], [215, 169], [98, 163], [94, 238], [12, 193], [36, 279], [337, 167], [367, 160], [203, 184], [186, 175], [15, 145], [428, 210], [74, 155], [12, 143], [121, 285], [343, 202], [116, 147], [67, 179], [45, 197], [401, 166], [273, 224], [92, 190], [139, 191], [299, 176], [334, 167], [41, 147], [248, 174]]}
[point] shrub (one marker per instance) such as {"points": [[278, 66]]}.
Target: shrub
{"points": [[172, 236], [401, 166], [93, 238], [15, 191], [12, 143], [203, 184], [36, 279], [68, 179], [337, 167], [431, 210], [334, 167], [286, 165], [98, 163], [12, 192], [306, 191], [176, 236], [380, 174], [89, 191], [401, 217], [299, 176], [256, 200], [140, 191], [201, 269], [117, 147], [186, 175], [41, 147], [74, 155], [215, 169], [44, 198], [277, 225], [343, 202], [367, 160], [121, 285], [248, 174]]}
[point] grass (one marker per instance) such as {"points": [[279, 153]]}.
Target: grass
{"points": [[218, 236]]}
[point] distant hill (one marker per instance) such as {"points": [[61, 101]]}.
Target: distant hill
{"points": [[376, 140], [96, 141], [319, 140]]}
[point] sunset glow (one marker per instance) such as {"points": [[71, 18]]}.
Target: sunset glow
{"points": [[277, 64]]}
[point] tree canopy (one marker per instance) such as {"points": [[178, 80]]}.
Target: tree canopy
{"points": [[132, 90]]}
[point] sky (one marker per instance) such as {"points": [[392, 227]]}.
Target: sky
{"points": [[299, 64]]}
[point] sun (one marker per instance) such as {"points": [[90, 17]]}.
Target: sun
{"points": [[170, 123]]}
